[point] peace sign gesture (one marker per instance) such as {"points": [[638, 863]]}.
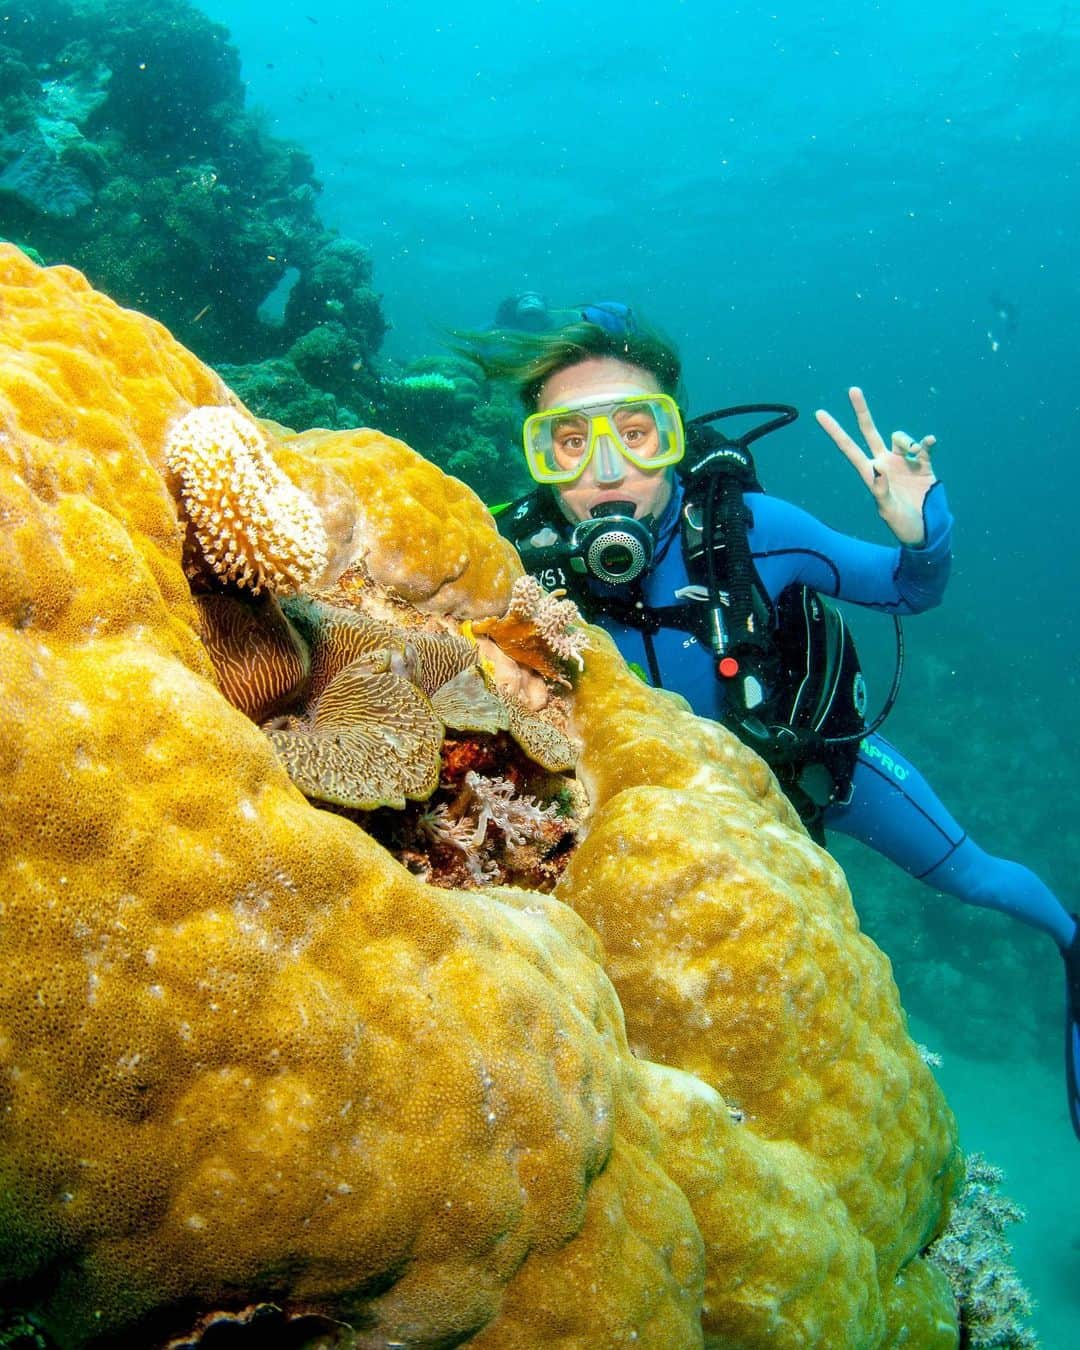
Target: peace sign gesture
{"points": [[898, 478]]}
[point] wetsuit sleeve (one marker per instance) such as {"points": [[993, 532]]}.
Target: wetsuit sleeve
{"points": [[790, 545]]}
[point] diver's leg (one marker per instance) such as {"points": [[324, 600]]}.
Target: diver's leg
{"points": [[894, 810]]}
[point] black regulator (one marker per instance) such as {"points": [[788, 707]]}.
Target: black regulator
{"points": [[611, 546]]}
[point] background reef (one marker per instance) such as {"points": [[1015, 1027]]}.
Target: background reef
{"points": [[127, 148]]}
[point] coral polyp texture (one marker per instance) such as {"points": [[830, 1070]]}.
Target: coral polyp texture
{"points": [[255, 1072], [253, 526]]}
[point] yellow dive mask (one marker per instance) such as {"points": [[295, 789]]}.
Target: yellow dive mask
{"points": [[645, 429]]}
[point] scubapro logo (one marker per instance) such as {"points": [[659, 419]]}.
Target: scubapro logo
{"points": [[888, 764], [730, 453]]}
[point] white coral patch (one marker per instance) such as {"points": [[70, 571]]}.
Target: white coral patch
{"points": [[253, 525]]}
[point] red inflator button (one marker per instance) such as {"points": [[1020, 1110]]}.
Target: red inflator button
{"points": [[728, 667]]}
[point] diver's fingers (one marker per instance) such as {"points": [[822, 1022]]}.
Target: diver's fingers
{"points": [[915, 452], [854, 453], [866, 423]]}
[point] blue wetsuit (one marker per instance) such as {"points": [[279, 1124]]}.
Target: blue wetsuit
{"points": [[891, 807]]}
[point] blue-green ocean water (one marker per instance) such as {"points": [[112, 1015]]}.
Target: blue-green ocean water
{"points": [[805, 196]]}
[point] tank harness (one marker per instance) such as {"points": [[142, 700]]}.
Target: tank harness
{"points": [[793, 685]]}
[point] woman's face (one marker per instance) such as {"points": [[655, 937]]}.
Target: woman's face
{"points": [[648, 490]]}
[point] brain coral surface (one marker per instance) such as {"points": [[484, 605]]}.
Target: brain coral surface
{"points": [[246, 1057]]}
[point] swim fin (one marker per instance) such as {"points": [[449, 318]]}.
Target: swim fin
{"points": [[1072, 1025]]}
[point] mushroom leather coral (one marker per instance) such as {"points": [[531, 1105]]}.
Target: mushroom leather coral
{"points": [[246, 1057]]}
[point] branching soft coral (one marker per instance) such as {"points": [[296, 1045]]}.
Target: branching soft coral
{"points": [[490, 823], [537, 627], [558, 621], [499, 805], [976, 1257]]}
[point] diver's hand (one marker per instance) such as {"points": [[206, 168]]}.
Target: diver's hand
{"points": [[898, 478]]}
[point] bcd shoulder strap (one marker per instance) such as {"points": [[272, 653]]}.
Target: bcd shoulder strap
{"points": [[739, 622]]}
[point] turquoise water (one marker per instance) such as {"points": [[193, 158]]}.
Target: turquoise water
{"points": [[805, 197]]}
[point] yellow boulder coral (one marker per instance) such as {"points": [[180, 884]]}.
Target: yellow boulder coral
{"points": [[245, 1056], [732, 942], [422, 535]]}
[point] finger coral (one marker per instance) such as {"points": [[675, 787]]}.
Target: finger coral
{"points": [[252, 1069]]}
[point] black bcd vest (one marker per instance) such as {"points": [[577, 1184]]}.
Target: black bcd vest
{"points": [[812, 714]]}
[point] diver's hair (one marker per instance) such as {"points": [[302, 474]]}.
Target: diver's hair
{"points": [[526, 360]]}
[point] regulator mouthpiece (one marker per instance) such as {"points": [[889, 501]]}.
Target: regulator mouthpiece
{"points": [[612, 546]]}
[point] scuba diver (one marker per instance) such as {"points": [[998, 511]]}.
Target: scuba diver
{"points": [[661, 533], [524, 310]]}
